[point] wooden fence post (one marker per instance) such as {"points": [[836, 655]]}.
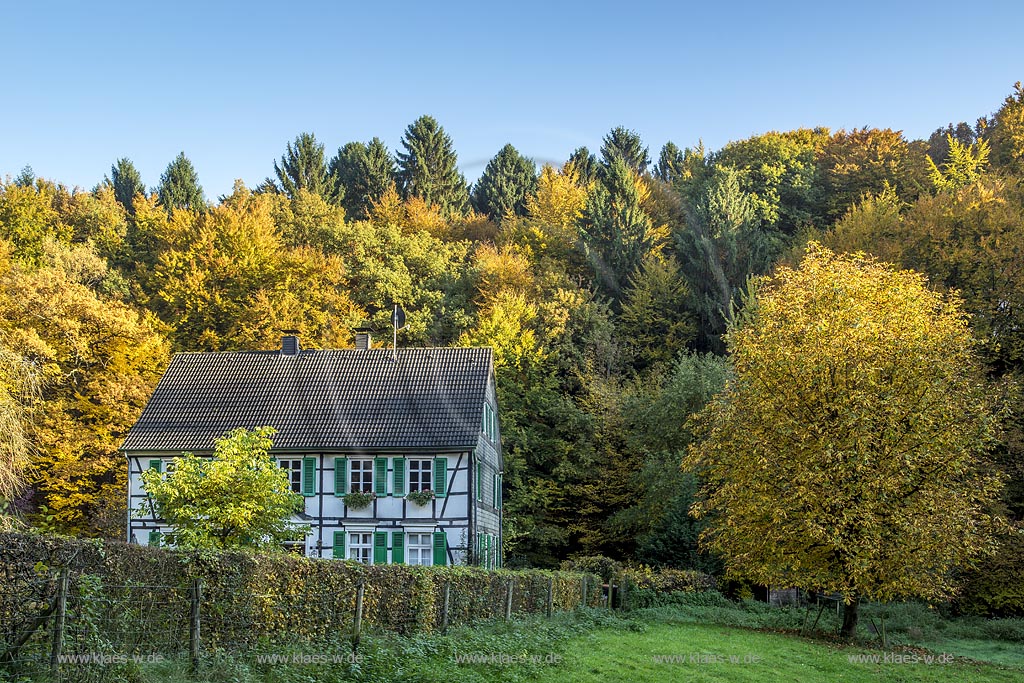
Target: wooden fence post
{"points": [[444, 609], [549, 605], [357, 624], [194, 635], [583, 600], [508, 600], [58, 620]]}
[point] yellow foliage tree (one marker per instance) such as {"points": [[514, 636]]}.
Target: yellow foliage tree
{"points": [[844, 455], [560, 198], [98, 359]]}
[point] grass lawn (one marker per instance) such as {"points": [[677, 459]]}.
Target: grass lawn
{"points": [[655, 645], [718, 653]]}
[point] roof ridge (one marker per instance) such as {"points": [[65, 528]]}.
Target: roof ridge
{"points": [[401, 349]]}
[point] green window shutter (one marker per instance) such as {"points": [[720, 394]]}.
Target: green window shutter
{"points": [[479, 481], [339, 545], [157, 465], [440, 548], [380, 547], [440, 477], [399, 483], [398, 547], [308, 476], [380, 476], [483, 424], [154, 538], [340, 476], [496, 490]]}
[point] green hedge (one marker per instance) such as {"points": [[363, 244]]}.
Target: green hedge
{"points": [[248, 597]]}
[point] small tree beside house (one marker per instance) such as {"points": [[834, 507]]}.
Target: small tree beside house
{"points": [[240, 498]]}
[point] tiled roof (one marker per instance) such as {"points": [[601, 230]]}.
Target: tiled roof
{"points": [[319, 400]]}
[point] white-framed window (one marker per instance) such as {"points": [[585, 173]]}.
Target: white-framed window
{"points": [[360, 547], [419, 548], [294, 470], [360, 476], [421, 474]]}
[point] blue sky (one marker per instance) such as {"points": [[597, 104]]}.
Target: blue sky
{"points": [[230, 83]]}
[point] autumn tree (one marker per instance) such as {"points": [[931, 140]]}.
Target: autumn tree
{"points": [[778, 171], [179, 186], [844, 456], [28, 218], [507, 182], [964, 165], [303, 167], [127, 182], [428, 167], [240, 498], [227, 279], [19, 386], [1006, 132], [98, 360], [861, 162], [938, 141]]}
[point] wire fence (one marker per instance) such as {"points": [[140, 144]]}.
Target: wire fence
{"points": [[64, 626]]}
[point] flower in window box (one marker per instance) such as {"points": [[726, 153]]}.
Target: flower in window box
{"points": [[421, 497], [357, 500]]}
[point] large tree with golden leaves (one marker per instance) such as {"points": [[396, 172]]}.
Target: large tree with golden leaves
{"points": [[844, 455]]}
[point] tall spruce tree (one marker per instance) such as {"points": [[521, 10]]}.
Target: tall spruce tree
{"points": [[127, 182], [671, 163], [617, 232], [26, 177], [179, 186], [506, 183], [585, 164], [625, 144], [363, 172], [303, 167], [428, 167]]}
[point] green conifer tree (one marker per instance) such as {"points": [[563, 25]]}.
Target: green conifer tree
{"points": [[506, 183], [427, 168]]}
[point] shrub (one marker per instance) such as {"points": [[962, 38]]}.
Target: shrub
{"points": [[996, 587]]}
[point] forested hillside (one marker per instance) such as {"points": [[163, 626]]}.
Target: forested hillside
{"points": [[604, 285]]}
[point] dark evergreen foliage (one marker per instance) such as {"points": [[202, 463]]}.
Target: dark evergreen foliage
{"points": [[127, 182], [427, 168], [505, 184], [179, 186], [303, 167]]}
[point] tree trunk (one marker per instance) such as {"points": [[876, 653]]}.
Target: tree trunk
{"points": [[849, 629]]}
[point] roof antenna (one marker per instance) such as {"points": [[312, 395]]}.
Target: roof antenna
{"points": [[397, 323]]}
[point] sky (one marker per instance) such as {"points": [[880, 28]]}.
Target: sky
{"points": [[86, 83]]}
